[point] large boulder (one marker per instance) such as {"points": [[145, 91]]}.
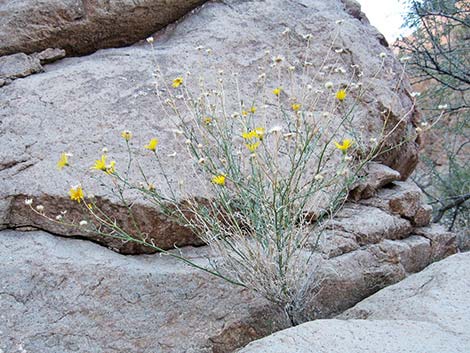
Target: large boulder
{"points": [[427, 312], [81, 104], [65, 295], [81, 26]]}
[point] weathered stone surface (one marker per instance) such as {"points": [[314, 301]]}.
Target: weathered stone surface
{"points": [[81, 104], [427, 312], [404, 199], [64, 295], [443, 243], [440, 295], [18, 66], [81, 27], [376, 176], [361, 336], [50, 55]]}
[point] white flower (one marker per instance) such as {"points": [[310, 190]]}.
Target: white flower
{"points": [[275, 129], [329, 85], [64, 212], [415, 94], [40, 208], [287, 30], [104, 150], [208, 51], [200, 48], [325, 114], [28, 202], [187, 142], [418, 130], [382, 55], [150, 40], [171, 154], [347, 158], [308, 36], [199, 146], [443, 106], [318, 177], [59, 217], [424, 124], [83, 223], [309, 87], [201, 161], [291, 68], [373, 140]]}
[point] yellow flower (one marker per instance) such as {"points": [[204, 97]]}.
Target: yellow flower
{"points": [[249, 135], [296, 107], [344, 146], [253, 110], [177, 82], [76, 193], [218, 179], [256, 133], [100, 164], [126, 135], [207, 120], [341, 95], [111, 168], [277, 91], [152, 145], [244, 113], [260, 131], [63, 161], [252, 146]]}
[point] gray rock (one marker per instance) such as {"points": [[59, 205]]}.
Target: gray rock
{"points": [[18, 66], [81, 104], [427, 312], [81, 27], [361, 336], [65, 295], [439, 295], [50, 55]]}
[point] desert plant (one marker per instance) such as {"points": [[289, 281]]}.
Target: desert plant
{"points": [[273, 165]]}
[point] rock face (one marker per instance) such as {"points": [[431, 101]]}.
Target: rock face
{"points": [[80, 26], [427, 312], [81, 104], [65, 295]]}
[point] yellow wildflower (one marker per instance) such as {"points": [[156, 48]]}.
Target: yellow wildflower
{"points": [[111, 168], [244, 113], [207, 120], [76, 193], [341, 95], [249, 135], [252, 146], [63, 161], [152, 145], [344, 146], [253, 110], [296, 107], [218, 179], [177, 82], [100, 164], [260, 131], [277, 91], [126, 135]]}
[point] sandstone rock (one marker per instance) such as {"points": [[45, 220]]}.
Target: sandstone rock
{"points": [[50, 55], [440, 295], [81, 104], [18, 66], [361, 336], [64, 295], [404, 199], [81, 27], [426, 312], [446, 243], [377, 176]]}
